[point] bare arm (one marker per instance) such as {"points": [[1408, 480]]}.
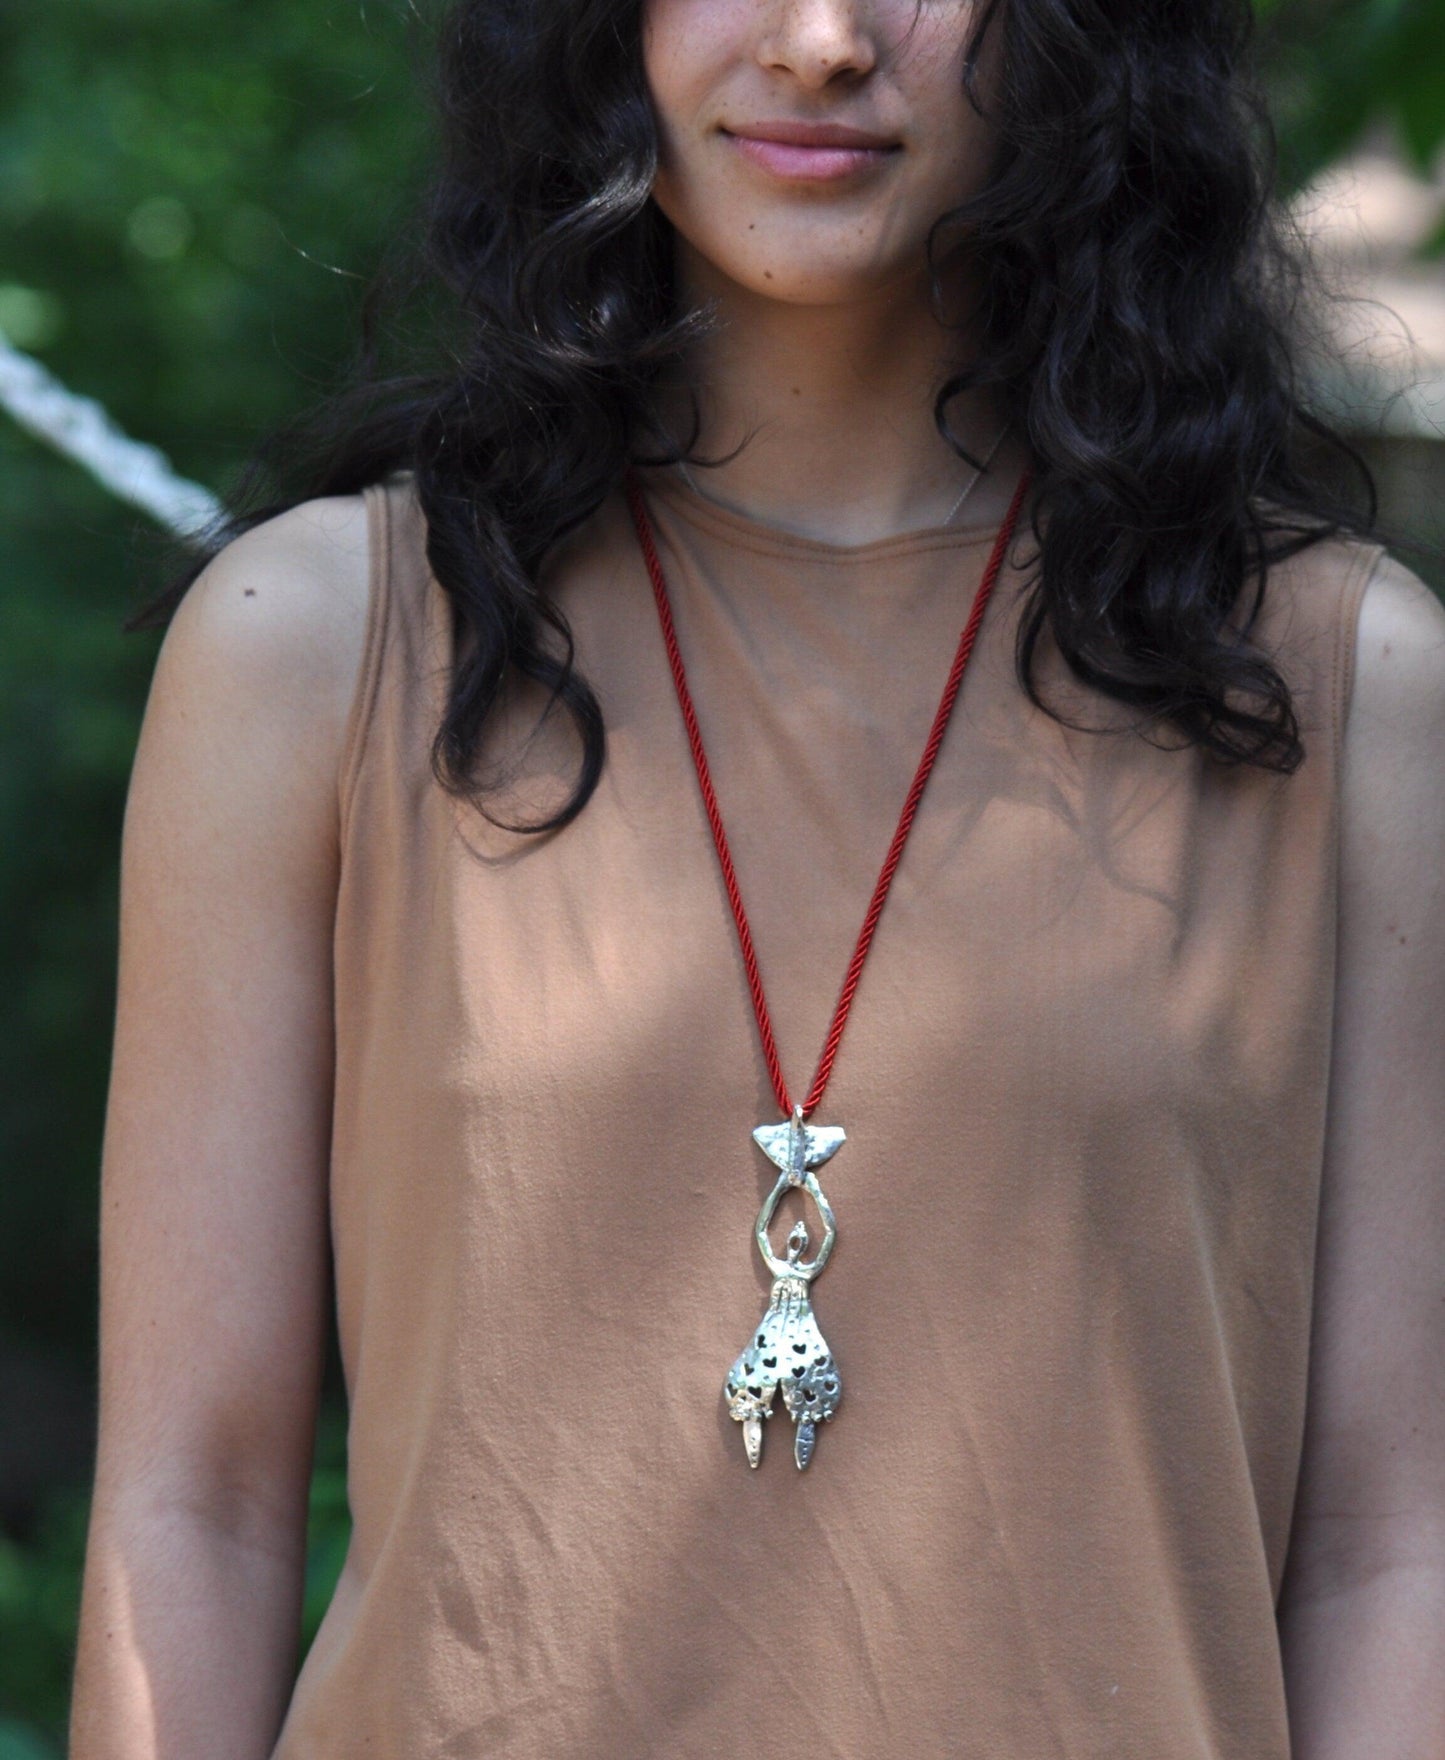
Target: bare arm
{"points": [[213, 1228], [1362, 1609]]}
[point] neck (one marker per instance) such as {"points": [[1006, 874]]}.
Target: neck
{"points": [[835, 403]]}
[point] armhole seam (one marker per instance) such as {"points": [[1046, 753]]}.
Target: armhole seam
{"points": [[363, 702], [1357, 581], [1352, 596]]}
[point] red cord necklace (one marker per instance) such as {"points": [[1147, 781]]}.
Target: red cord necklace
{"points": [[788, 1349]]}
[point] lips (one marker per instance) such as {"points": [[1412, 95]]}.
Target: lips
{"points": [[810, 152], [811, 134]]}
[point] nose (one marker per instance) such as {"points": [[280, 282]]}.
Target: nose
{"points": [[816, 40]]}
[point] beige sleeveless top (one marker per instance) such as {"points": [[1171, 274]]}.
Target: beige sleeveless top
{"points": [[1084, 1087]]}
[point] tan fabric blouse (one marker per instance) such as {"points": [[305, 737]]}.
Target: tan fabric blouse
{"points": [[1084, 1086]]}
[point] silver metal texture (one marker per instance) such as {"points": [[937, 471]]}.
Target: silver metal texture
{"points": [[788, 1350]]}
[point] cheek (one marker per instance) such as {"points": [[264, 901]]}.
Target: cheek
{"points": [[686, 48], [929, 70], [959, 142], [676, 59]]}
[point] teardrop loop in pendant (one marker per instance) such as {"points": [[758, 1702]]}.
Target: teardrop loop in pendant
{"points": [[807, 1269]]}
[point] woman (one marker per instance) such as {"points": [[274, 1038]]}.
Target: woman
{"points": [[458, 956]]}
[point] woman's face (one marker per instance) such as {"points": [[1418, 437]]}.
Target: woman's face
{"points": [[806, 223]]}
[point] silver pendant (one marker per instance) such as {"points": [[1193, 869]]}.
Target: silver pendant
{"points": [[787, 1349]]}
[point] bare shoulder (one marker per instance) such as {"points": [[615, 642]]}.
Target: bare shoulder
{"points": [[282, 609], [1394, 744], [1393, 807], [243, 736], [1399, 680], [1397, 675]]}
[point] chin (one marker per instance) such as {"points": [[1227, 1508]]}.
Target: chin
{"points": [[791, 276], [835, 292]]}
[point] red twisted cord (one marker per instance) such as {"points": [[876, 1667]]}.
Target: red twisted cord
{"points": [[905, 821]]}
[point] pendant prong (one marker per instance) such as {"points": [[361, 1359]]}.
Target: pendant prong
{"points": [[803, 1442], [753, 1439]]}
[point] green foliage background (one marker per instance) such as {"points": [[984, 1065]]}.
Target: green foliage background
{"points": [[191, 193]]}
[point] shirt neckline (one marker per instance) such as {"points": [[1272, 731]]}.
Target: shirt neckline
{"points": [[748, 533]]}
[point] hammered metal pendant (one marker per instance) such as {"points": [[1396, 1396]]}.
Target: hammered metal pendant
{"points": [[788, 1350]]}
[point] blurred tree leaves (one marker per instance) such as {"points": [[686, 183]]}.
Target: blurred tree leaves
{"points": [[192, 188], [190, 194], [1337, 67]]}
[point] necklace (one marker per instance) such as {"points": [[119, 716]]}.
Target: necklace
{"points": [[947, 519], [787, 1349]]}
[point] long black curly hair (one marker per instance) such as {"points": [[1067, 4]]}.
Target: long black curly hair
{"points": [[1140, 321]]}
